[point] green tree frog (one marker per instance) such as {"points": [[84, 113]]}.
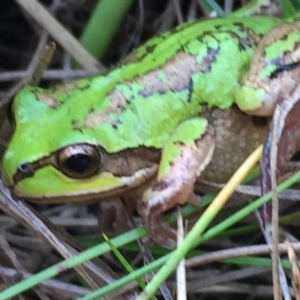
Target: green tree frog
{"points": [[180, 106]]}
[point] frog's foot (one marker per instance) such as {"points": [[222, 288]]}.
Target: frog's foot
{"points": [[112, 217], [185, 155], [158, 231]]}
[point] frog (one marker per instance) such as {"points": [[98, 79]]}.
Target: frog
{"points": [[189, 104]]}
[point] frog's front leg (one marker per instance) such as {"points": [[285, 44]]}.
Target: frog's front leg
{"points": [[185, 155]]}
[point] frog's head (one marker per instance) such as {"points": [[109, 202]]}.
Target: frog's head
{"points": [[274, 73], [52, 157]]}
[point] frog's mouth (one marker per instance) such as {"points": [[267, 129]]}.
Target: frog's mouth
{"points": [[95, 175], [82, 193]]}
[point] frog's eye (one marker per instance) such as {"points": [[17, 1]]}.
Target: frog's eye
{"points": [[80, 161]]}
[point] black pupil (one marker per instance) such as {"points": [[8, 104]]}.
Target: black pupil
{"points": [[78, 163]]}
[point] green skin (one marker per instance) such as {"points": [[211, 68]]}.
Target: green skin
{"points": [[149, 122]]}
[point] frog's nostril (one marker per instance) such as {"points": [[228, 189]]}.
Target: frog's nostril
{"points": [[25, 168]]}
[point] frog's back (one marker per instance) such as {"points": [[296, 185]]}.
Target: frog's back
{"points": [[171, 76], [199, 56], [164, 82]]}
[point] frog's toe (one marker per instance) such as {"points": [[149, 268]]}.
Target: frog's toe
{"points": [[163, 234]]}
